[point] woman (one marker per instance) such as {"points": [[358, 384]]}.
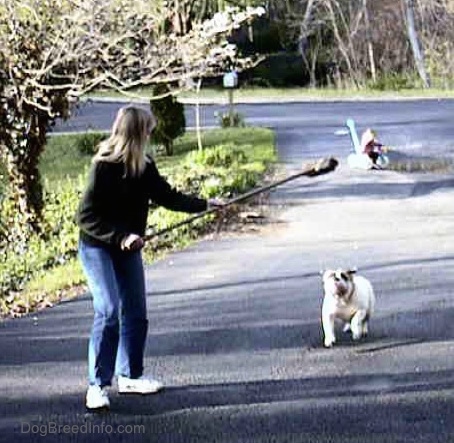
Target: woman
{"points": [[112, 219]]}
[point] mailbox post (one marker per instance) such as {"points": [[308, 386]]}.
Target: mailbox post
{"points": [[230, 82]]}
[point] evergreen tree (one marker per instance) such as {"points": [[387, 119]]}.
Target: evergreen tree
{"points": [[169, 113]]}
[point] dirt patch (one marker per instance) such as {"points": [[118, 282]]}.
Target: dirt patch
{"points": [[257, 216], [401, 162]]}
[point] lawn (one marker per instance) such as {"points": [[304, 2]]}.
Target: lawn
{"points": [[287, 94]]}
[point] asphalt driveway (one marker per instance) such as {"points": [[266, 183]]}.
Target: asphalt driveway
{"points": [[235, 331]]}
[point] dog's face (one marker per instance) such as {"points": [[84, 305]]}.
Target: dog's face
{"points": [[338, 283]]}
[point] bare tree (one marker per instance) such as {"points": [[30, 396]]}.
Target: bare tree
{"points": [[346, 23], [414, 42], [359, 39], [436, 33], [308, 54]]}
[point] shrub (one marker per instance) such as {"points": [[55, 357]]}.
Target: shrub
{"points": [[88, 142], [218, 171], [392, 82], [221, 155], [43, 252], [230, 120], [169, 113]]}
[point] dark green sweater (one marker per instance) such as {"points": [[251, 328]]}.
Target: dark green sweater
{"points": [[113, 205]]}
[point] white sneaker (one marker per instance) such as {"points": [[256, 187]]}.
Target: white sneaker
{"points": [[141, 385], [97, 398]]}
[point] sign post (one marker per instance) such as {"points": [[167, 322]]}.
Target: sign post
{"points": [[230, 82]]}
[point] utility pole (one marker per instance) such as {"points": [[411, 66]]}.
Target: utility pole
{"points": [[414, 42]]}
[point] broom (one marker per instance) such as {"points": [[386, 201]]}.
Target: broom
{"points": [[314, 169]]}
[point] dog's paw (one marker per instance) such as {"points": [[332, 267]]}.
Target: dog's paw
{"points": [[329, 342]]}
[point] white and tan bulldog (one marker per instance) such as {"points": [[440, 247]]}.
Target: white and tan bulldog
{"points": [[349, 298]]}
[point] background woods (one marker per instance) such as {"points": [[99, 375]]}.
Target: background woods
{"points": [[359, 43]]}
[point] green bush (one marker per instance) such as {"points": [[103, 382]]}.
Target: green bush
{"points": [[58, 245], [230, 119], [218, 171], [393, 82], [221, 171], [87, 143], [221, 156]]}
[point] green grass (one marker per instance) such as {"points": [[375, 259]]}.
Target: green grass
{"points": [[254, 139], [62, 160], [317, 93], [59, 278], [292, 93]]}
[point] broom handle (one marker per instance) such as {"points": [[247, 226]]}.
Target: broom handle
{"points": [[314, 169]]}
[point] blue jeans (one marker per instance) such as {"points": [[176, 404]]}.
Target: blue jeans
{"points": [[117, 284]]}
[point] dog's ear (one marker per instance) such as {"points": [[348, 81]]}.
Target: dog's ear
{"points": [[352, 271], [328, 273]]}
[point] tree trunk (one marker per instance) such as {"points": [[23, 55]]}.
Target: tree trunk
{"points": [[25, 191], [414, 42], [168, 145], [340, 33], [370, 47], [22, 203], [303, 39]]}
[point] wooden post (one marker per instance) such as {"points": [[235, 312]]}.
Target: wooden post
{"points": [[230, 82], [231, 116], [197, 115]]}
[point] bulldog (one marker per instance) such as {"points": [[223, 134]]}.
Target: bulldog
{"points": [[349, 298]]}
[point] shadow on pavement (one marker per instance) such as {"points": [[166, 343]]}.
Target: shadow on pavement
{"points": [[326, 409], [374, 189], [60, 334]]}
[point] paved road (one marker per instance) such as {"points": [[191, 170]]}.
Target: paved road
{"points": [[234, 328], [309, 129]]}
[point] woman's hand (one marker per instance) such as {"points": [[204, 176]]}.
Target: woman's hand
{"points": [[132, 242]]}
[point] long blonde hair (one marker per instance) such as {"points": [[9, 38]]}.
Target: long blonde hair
{"points": [[127, 140]]}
